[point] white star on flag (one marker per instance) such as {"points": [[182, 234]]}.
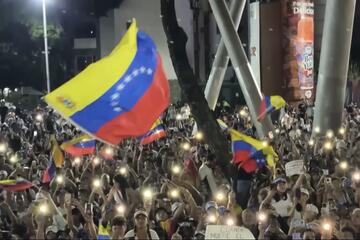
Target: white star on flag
{"points": [[149, 71], [113, 104], [135, 72], [120, 87], [115, 96]]}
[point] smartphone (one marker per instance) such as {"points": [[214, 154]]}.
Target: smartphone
{"points": [[67, 198], [35, 133], [89, 208]]}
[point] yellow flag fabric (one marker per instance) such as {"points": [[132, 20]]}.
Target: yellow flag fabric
{"points": [[84, 88], [277, 102], [75, 141], [56, 153]]}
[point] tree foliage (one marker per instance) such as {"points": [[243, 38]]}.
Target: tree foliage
{"points": [[194, 95]]}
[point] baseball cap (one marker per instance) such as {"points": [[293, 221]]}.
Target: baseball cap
{"points": [[223, 210], [52, 228], [305, 191], [279, 180], [140, 212], [4, 173], [211, 204], [312, 208]]}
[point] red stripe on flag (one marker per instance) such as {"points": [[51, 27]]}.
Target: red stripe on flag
{"points": [[79, 151], [242, 158], [153, 137], [150, 106]]}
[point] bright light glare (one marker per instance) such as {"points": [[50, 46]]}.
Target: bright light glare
{"points": [[329, 134], [220, 196], [59, 179], [262, 217], [344, 165], [311, 142], [176, 169], [43, 209], [96, 161], [186, 146], [109, 151], [243, 113], [123, 170], [13, 159], [327, 226], [39, 117], [3, 147], [317, 129], [120, 209], [147, 194], [212, 218], [342, 131], [230, 222], [174, 193], [97, 183], [77, 160], [199, 136], [356, 176], [328, 145]]}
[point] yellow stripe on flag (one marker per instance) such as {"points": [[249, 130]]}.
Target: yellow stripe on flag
{"points": [[56, 153], [75, 141], [277, 102], [238, 136], [96, 79]]}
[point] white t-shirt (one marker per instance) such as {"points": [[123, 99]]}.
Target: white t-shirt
{"points": [[131, 234], [206, 172], [283, 207]]}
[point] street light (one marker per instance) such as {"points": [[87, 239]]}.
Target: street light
{"points": [[46, 46]]}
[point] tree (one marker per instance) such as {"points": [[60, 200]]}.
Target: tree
{"points": [[204, 117]]}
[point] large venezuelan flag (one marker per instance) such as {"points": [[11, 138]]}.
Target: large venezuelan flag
{"points": [[269, 105], [156, 131], [15, 185], [250, 152], [79, 146], [119, 96]]}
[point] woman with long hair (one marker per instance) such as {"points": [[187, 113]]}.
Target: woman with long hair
{"points": [[142, 229]]}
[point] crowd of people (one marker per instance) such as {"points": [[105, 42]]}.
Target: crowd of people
{"points": [[174, 188]]}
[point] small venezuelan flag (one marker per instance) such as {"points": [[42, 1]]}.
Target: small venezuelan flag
{"points": [[79, 146], [156, 131], [250, 153], [103, 233], [15, 185], [121, 95], [269, 105], [49, 173]]}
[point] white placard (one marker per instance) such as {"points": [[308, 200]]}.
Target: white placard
{"points": [[294, 168], [227, 232]]}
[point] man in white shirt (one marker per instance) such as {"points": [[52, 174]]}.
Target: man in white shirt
{"points": [[207, 175]]}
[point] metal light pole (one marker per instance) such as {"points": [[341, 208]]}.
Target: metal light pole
{"points": [[46, 46], [243, 71], [334, 63], [216, 77]]}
